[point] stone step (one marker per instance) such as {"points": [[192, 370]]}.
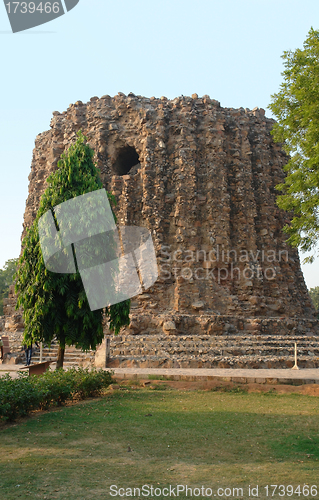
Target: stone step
{"points": [[211, 338], [209, 346], [67, 350], [212, 354], [236, 347], [195, 351], [72, 356], [221, 338], [208, 351], [210, 342], [214, 362]]}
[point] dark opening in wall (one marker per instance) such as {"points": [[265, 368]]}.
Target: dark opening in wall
{"points": [[127, 158]]}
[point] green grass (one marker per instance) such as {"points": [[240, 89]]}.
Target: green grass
{"points": [[214, 439]]}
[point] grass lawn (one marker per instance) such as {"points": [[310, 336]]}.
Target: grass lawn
{"points": [[162, 437]]}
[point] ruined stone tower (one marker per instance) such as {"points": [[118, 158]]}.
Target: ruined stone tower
{"points": [[203, 179]]}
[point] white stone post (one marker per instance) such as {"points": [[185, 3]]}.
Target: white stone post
{"points": [[295, 367]]}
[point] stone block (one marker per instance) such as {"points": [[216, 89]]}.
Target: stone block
{"points": [[102, 354], [260, 380], [271, 380], [251, 380], [240, 380], [169, 326]]}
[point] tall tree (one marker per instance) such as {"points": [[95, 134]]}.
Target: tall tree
{"points": [[6, 279], [54, 304], [296, 107], [314, 295]]}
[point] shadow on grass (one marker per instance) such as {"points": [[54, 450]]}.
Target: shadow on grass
{"points": [[139, 437]]}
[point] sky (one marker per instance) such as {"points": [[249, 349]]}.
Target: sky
{"points": [[228, 49]]}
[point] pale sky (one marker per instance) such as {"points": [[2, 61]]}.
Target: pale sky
{"points": [[228, 49]]}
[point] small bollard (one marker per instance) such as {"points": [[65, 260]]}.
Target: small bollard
{"points": [[295, 367]]}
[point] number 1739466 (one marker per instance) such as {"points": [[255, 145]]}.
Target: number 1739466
{"points": [[33, 7], [290, 490]]}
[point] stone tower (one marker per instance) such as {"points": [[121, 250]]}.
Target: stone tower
{"points": [[203, 179]]}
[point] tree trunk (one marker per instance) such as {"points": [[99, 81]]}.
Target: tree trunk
{"points": [[60, 358]]}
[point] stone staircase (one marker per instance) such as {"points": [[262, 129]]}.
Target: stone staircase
{"points": [[72, 357], [196, 351], [207, 351]]}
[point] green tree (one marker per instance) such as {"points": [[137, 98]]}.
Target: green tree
{"points": [[314, 295], [296, 107], [6, 279], [54, 304]]}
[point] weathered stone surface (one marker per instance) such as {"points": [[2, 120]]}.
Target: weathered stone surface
{"points": [[199, 304], [202, 178], [169, 326]]}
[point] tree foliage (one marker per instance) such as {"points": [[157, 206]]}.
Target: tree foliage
{"points": [[296, 107], [56, 304], [314, 295], [6, 279]]}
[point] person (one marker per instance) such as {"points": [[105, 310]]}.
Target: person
{"points": [[1, 347], [28, 353]]}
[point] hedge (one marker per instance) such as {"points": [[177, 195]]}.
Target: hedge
{"points": [[21, 395]]}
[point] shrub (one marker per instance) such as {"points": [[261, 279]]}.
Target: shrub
{"points": [[18, 396], [54, 388], [90, 383], [24, 394]]}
